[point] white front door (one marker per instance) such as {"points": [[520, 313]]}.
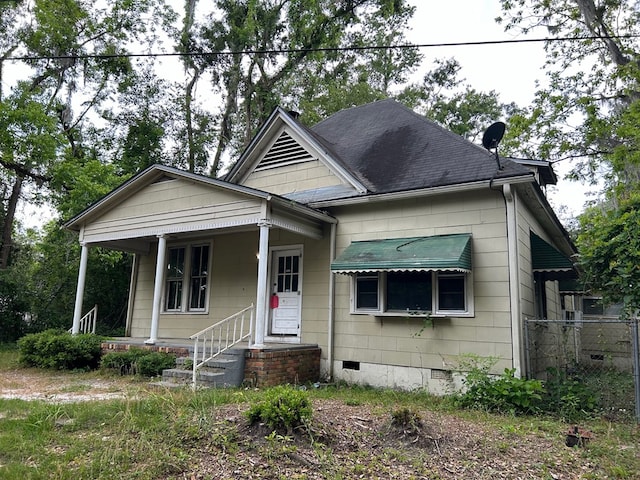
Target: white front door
{"points": [[286, 285]]}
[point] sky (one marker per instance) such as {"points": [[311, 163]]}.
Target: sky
{"points": [[511, 70]]}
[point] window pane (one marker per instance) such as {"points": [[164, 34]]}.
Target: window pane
{"points": [[175, 263], [199, 267], [175, 271], [367, 291], [451, 295], [409, 291], [174, 295], [198, 293], [288, 273], [199, 260]]}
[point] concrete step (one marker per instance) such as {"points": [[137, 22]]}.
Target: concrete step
{"points": [[226, 370]]}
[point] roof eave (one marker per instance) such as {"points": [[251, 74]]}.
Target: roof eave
{"points": [[423, 192]]}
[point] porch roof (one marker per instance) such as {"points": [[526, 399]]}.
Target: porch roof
{"points": [[150, 204], [438, 252]]}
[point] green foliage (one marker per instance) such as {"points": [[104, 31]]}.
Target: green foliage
{"points": [[406, 419], [609, 245], [46, 270], [504, 393], [571, 398], [13, 305], [283, 408], [254, 83], [138, 361], [60, 350], [589, 107]]}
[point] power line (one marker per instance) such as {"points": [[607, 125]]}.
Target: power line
{"points": [[310, 50]]}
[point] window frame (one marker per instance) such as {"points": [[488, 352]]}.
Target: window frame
{"points": [[187, 279], [436, 311]]}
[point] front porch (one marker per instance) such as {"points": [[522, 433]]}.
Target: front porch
{"points": [[269, 365]]}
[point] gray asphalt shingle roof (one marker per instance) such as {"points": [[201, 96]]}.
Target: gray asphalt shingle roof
{"points": [[390, 148]]}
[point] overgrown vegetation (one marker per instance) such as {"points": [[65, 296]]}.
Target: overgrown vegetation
{"points": [[137, 361], [568, 397], [283, 409], [60, 350], [204, 434]]}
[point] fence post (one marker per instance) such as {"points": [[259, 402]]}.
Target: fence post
{"points": [[636, 365], [527, 351]]}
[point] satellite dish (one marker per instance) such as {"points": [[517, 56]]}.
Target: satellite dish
{"points": [[492, 137]]}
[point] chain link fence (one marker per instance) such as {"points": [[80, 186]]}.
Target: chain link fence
{"points": [[598, 355]]}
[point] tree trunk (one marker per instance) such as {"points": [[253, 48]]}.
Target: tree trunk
{"points": [[6, 243]]}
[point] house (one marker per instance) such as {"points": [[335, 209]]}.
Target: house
{"points": [[388, 243]]}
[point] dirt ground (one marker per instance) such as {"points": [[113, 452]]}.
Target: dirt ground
{"points": [[349, 441], [32, 384]]}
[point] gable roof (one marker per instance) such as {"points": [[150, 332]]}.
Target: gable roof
{"points": [[390, 148], [283, 140], [157, 173]]}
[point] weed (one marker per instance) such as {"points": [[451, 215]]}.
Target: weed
{"points": [[137, 361], [504, 393], [406, 419], [283, 408], [568, 396]]}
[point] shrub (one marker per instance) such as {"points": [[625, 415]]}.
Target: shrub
{"points": [[153, 363], [138, 361], [60, 350], [283, 408], [568, 396], [503, 393]]}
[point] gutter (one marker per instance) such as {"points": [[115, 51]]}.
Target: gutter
{"points": [[422, 192], [511, 203], [332, 315]]}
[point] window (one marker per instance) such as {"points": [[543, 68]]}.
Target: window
{"points": [[175, 272], [389, 293], [187, 265], [367, 292]]}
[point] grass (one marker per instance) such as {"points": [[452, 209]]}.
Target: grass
{"points": [[152, 435]]}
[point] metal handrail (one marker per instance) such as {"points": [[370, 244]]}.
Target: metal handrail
{"points": [[220, 337], [88, 322]]}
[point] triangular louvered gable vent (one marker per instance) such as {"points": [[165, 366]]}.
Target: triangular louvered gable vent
{"points": [[285, 151]]}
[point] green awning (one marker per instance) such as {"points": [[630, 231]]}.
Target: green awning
{"points": [[439, 252], [546, 258]]}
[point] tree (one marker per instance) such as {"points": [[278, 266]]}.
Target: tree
{"points": [[593, 70], [445, 98], [28, 142], [270, 48], [590, 111], [71, 62], [609, 245]]}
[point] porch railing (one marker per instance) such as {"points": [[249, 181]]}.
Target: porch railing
{"points": [[220, 337], [88, 322]]}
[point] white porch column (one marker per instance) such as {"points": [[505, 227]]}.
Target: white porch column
{"points": [[82, 276], [157, 290], [261, 300]]}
